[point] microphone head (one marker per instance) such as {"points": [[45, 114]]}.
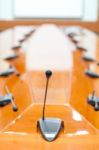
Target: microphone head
{"points": [[15, 108], [48, 73]]}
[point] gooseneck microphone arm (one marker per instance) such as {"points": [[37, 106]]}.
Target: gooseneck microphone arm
{"points": [[48, 74], [43, 115], [15, 108]]}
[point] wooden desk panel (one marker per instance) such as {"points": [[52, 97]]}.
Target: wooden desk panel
{"points": [[83, 85], [77, 134]]}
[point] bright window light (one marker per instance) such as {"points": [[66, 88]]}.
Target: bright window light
{"points": [[48, 9]]}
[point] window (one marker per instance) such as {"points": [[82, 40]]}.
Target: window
{"points": [[69, 9], [48, 9]]}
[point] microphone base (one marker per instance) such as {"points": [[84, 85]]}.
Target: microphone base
{"points": [[11, 57], [5, 100], [7, 72], [50, 128]]}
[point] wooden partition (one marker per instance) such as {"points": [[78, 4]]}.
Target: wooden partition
{"points": [[94, 26]]}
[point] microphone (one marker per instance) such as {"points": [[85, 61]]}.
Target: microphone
{"points": [[15, 108], [49, 127], [9, 72], [16, 47], [94, 101], [48, 74], [11, 57]]}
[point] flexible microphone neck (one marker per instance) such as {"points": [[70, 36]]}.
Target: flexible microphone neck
{"points": [[14, 107], [48, 74]]}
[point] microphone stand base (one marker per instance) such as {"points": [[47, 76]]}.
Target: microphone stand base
{"points": [[50, 128]]}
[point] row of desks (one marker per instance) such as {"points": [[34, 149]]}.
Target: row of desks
{"points": [[68, 88]]}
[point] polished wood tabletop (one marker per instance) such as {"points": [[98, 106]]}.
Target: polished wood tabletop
{"points": [[50, 47]]}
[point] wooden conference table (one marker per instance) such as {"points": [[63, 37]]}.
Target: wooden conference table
{"points": [[40, 48]]}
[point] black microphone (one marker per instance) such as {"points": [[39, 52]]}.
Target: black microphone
{"points": [[49, 127], [48, 74], [94, 101], [16, 47], [15, 108]]}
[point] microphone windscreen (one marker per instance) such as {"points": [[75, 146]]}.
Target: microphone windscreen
{"points": [[48, 73]]}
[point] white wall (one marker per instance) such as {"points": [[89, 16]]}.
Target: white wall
{"points": [[90, 10]]}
